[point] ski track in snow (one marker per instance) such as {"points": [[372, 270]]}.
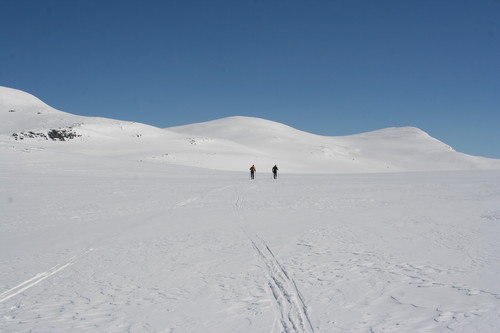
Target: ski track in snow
{"points": [[38, 278], [291, 311], [196, 198], [293, 315], [290, 307]]}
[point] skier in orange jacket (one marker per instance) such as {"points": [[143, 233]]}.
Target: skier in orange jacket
{"points": [[252, 171]]}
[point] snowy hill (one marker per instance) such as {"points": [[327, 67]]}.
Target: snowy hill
{"points": [[232, 143], [391, 149]]}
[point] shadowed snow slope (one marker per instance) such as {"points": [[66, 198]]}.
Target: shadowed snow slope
{"points": [[232, 143]]}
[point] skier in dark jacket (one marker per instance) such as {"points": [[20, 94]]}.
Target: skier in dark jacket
{"points": [[275, 171]]}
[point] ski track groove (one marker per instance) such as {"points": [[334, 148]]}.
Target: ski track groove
{"points": [[38, 278], [290, 302], [191, 200], [290, 306]]}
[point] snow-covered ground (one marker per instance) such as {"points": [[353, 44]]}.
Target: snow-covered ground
{"points": [[96, 235]]}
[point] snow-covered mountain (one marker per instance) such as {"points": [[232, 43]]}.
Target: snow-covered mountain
{"points": [[265, 142], [232, 143]]}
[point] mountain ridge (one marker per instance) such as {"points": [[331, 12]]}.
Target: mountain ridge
{"points": [[230, 143]]}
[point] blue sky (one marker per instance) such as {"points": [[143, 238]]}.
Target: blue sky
{"points": [[330, 67]]}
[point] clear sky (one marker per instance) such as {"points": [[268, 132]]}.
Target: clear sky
{"points": [[330, 67]]}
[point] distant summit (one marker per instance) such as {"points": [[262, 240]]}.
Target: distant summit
{"points": [[232, 143], [16, 99], [20, 111]]}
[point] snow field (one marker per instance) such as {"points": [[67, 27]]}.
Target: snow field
{"points": [[114, 246]]}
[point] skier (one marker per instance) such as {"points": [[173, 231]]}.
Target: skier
{"points": [[275, 171], [252, 171]]}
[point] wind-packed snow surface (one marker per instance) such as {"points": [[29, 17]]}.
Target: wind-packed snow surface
{"points": [[97, 237]]}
